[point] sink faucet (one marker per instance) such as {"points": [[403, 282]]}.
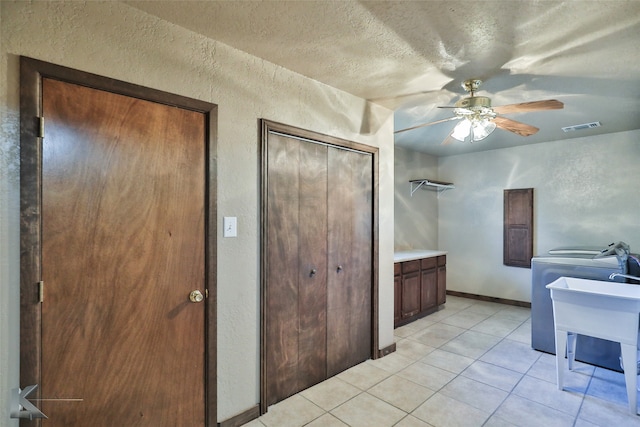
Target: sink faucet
{"points": [[623, 275]]}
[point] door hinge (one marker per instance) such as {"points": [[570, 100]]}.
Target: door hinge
{"points": [[40, 127], [41, 291], [206, 293]]}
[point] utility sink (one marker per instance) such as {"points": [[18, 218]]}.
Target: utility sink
{"points": [[600, 309]]}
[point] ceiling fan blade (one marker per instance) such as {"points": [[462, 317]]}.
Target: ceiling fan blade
{"points": [[428, 124], [448, 140], [548, 104], [520, 128]]}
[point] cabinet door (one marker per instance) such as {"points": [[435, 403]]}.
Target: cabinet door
{"points": [[397, 298], [442, 284], [428, 289], [410, 294], [518, 227]]}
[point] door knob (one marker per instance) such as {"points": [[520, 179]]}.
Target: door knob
{"points": [[312, 272], [196, 296], [339, 269]]}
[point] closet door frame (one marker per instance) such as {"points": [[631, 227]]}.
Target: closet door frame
{"points": [[267, 127]]}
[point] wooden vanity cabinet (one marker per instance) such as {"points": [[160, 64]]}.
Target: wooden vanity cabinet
{"points": [[419, 288]]}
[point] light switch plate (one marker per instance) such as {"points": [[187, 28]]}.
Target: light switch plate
{"points": [[230, 226]]}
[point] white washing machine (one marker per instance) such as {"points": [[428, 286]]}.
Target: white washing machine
{"points": [[585, 263]]}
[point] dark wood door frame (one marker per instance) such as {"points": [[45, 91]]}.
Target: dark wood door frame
{"points": [[267, 127], [31, 74]]}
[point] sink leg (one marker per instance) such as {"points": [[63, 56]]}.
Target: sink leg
{"points": [[571, 348], [561, 345], [630, 362]]}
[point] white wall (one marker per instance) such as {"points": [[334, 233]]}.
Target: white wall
{"points": [[416, 217], [115, 40], [585, 193]]}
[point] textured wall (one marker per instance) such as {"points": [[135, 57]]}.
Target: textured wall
{"points": [[416, 217], [115, 40], [585, 193]]}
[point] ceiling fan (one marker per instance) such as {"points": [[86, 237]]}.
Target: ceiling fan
{"points": [[479, 119]]}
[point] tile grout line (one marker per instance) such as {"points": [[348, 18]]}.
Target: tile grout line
{"points": [[476, 359], [415, 355]]}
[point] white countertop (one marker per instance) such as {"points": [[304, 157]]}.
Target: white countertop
{"points": [[416, 254]]}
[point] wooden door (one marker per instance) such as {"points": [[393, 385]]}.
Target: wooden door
{"points": [[318, 247], [297, 273], [123, 245], [349, 277]]}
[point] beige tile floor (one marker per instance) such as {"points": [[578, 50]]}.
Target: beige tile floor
{"points": [[469, 364]]}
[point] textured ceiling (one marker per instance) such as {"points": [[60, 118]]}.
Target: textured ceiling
{"points": [[412, 56]]}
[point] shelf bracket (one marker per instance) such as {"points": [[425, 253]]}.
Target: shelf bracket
{"points": [[415, 186], [440, 187]]}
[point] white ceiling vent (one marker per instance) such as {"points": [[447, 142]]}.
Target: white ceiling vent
{"points": [[582, 126]]}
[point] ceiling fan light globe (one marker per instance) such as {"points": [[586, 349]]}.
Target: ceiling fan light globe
{"points": [[461, 131], [483, 129]]}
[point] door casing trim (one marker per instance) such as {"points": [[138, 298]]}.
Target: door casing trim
{"points": [[32, 71]]}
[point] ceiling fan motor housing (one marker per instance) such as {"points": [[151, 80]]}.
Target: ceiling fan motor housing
{"points": [[474, 108], [474, 103]]}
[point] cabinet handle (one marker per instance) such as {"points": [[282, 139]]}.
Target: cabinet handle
{"points": [[339, 269], [312, 272]]}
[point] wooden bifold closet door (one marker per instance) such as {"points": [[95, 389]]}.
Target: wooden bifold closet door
{"points": [[318, 269]]}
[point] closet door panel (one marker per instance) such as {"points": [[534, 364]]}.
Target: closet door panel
{"points": [[362, 257], [312, 232], [282, 328], [349, 259]]}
